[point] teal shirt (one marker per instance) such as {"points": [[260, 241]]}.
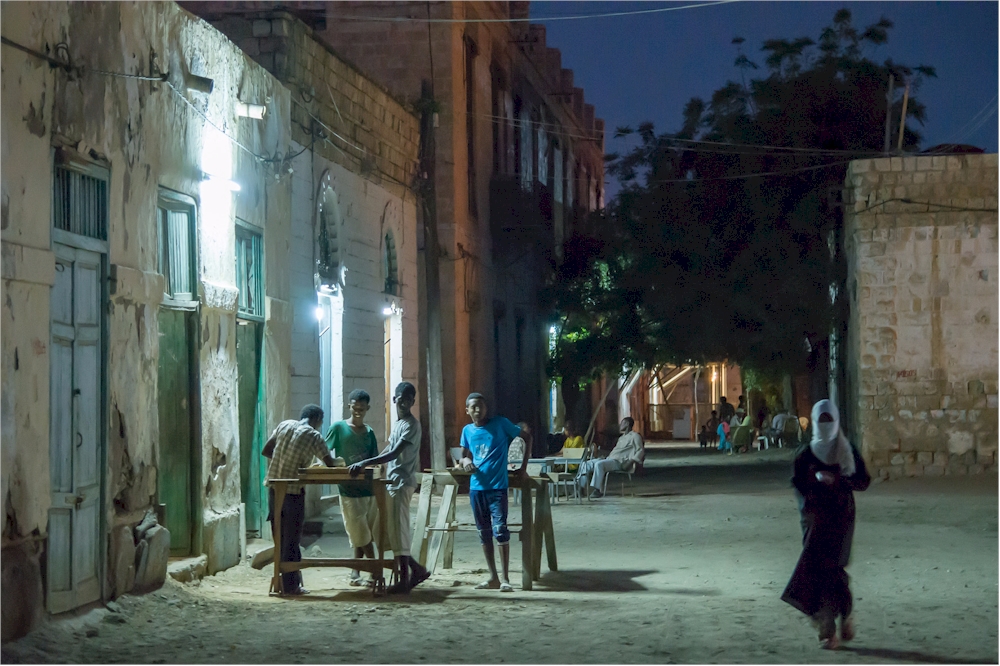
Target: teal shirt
{"points": [[353, 447]]}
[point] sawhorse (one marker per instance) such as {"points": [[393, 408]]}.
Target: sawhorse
{"points": [[431, 542]]}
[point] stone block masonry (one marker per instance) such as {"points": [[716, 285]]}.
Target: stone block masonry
{"points": [[921, 242]]}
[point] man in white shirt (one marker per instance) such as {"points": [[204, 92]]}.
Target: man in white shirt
{"points": [[629, 451]]}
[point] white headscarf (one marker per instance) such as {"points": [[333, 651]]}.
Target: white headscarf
{"points": [[828, 442]]}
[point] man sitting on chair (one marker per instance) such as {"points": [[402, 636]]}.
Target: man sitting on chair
{"points": [[629, 451]]}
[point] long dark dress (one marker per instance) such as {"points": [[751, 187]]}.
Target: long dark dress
{"points": [[827, 517]]}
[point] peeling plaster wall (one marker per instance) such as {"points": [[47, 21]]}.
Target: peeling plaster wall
{"points": [[922, 336], [149, 138]]}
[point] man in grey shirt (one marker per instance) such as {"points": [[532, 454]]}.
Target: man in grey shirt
{"points": [[403, 456]]}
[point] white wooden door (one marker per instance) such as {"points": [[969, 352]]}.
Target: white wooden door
{"points": [[73, 569]]}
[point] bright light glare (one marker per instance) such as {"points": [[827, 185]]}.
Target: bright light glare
{"points": [[319, 313], [552, 330], [387, 310]]}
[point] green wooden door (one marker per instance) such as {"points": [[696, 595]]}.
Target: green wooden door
{"points": [[176, 431], [248, 346]]}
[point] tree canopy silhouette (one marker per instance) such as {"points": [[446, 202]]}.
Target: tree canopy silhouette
{"points": [[724, 240]]}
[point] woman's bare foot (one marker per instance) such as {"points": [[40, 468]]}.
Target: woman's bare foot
{"points": [[847, 628]]}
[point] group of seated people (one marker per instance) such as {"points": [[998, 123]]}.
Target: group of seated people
{"points": [[592, 473], [718, 430]]}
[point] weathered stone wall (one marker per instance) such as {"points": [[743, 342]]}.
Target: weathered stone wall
{"points": [[921, 241], [148, 138]]}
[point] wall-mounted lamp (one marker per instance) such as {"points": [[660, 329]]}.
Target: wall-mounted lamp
{"points": [[319, 313], [226, 183], [255, 111], [196, 83], [391, 308]]}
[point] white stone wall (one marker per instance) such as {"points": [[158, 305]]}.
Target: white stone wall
{"points": [[367, 210], [149, 138], [922, 338]]}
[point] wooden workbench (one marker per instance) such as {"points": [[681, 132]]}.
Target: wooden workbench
{"points": [[431, 543], [331, 475]]}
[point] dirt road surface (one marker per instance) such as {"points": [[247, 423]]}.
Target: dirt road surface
{"points": [[688, 571]]}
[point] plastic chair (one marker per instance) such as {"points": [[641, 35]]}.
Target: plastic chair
{"points": [[625, 473], [564, 479]]}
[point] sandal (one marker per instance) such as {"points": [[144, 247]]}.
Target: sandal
{"points": [[506, 587], [488, 585]]}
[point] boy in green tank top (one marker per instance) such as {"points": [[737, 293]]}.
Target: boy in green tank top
{"points": [[354, 441]]}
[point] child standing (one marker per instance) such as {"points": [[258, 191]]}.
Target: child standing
{"points": [[484, 453], [354, 441], [403, 456]]}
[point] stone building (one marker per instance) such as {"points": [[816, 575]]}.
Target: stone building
{"points": [[921, 241], [518, 162], [353, 256], [145, 238]]}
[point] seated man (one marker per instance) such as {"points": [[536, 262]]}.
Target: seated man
{"points": [[629, 451]]}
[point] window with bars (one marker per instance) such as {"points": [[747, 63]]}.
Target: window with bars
{"points": [[391, 267], [250, 271], [175, 227], [80, 202]]}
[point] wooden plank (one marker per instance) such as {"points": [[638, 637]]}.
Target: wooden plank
{"points": [[375, 567], [279, 499], [545, 511], [434, 550], [382, 537], [527, 557], [449, 538], [423, 518]]}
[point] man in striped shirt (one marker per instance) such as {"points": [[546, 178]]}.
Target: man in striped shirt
{"points": [[293, 445]]}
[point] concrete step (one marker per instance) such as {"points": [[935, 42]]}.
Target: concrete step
{"points": [[188, 569]]}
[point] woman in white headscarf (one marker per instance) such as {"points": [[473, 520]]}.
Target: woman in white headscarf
{"points": [[827, 471]]}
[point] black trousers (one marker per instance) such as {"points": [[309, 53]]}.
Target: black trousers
{"points": [[293, 513]]}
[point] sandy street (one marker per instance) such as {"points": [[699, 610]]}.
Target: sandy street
{"points": [[690, 570]]}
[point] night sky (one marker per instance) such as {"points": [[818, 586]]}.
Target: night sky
{"points": [[646, 67]]}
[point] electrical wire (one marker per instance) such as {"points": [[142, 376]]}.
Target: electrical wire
{"points": [[83, 69], [752, 175], [540, 19], [949, 207]]}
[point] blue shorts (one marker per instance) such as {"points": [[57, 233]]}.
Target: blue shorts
{"points": [[490, 510]]}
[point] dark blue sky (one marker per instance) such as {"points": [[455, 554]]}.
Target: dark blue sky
{"points": [[646, 67]]}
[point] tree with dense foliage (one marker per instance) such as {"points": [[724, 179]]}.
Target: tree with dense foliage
{"points": [[723, 242]]}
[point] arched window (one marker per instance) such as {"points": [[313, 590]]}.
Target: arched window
{"points": [[390, 265], [328, 236]]}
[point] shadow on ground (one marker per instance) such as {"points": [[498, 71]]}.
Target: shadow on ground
{"points": [[911, 656], [595, 580]]}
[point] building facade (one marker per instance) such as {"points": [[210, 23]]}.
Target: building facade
{"points": [[518, 163], [145, 238], [921, 242], [353, 256]]}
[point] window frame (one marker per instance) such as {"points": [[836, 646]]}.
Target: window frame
{"points": [[169, 200], [244, 228]]}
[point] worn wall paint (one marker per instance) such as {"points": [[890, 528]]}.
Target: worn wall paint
{"points": [[149, 138], [922, 337]]}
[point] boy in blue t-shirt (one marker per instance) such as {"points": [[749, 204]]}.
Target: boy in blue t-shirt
{"points": [[484, 453]]}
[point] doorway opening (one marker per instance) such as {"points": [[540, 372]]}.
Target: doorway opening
{"points": [[393, 357]]}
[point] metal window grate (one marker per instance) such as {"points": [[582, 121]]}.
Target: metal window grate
{"points": [[80, 203], [391, 267], [250, 271]]}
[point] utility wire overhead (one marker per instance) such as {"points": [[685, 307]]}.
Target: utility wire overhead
{"points": [[540, 19]]}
